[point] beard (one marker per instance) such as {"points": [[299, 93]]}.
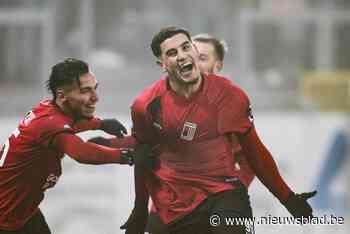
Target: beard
{"points": [[73, 111], [177, 78]]}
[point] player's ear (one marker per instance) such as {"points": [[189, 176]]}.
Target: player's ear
{"points": [[218, 66], [60, 95], [162, 65]]}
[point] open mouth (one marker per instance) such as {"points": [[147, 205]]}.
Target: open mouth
{"points": [[91, 107], [186, 68]]}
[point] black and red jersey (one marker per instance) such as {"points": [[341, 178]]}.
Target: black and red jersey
{"points": [[191, 137], [28, 166]]}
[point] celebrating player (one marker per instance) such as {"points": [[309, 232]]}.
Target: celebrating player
{"points": [[211, 52], [211, 60], [191, 120], [30, 159]]}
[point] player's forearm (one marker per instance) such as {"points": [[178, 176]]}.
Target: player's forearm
{"points": [[85, 152], [96, 154], [141, 192], [126, 142], [264, 166]]}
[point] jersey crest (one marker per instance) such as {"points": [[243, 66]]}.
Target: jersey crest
{"points": [[188, 131]]}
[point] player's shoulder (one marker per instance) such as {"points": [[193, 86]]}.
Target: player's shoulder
{"points": [[46, 115], [221, 87], [147, 95]]}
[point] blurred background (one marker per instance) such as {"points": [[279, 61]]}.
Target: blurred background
{"points": [[291, 57]]}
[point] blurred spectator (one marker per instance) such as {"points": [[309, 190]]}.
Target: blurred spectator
{"points": [[334, 163]]}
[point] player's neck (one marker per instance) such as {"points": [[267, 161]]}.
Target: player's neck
{"points": [[64, 109], [184, 89]]}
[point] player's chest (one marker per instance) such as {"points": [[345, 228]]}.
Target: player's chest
{"points": [[186, 120]]}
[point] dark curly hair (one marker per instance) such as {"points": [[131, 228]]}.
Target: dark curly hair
{"points": [[164, 34], [66, 73]]}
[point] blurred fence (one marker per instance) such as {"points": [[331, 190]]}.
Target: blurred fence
{"points": [[272, 43]]}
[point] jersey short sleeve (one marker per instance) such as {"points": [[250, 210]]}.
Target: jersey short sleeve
{"points": [[234, 111]]}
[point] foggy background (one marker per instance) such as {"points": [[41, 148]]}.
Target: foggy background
{"points": [[291, 57]]}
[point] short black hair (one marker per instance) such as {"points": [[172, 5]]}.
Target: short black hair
{"points": [[66, 73], [220, 46], [164, 34]]}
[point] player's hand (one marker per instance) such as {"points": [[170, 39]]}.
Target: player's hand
{"points": [[298, 206], [141, 156], [100, 141], [137, 221], [113, 127]]}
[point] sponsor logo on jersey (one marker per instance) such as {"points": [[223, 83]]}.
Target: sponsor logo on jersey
{"points": [[188, 131], [51, 181]]}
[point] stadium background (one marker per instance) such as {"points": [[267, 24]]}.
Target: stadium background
{"points": [[291, 56]]}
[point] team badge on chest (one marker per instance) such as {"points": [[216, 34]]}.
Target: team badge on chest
{"points": [[188, 131]]}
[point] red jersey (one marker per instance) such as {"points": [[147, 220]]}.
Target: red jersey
{"points": [[191, 136], [28, 165], [246, 172], [242, 166]]}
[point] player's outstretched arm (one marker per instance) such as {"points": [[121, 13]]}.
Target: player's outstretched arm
{"points": [[125, 142], [263, 164], [110, 126], [89, 153]]}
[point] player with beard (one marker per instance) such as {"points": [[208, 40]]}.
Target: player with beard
{"points": [[191, 120], [30, 159], [211, 60]]}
